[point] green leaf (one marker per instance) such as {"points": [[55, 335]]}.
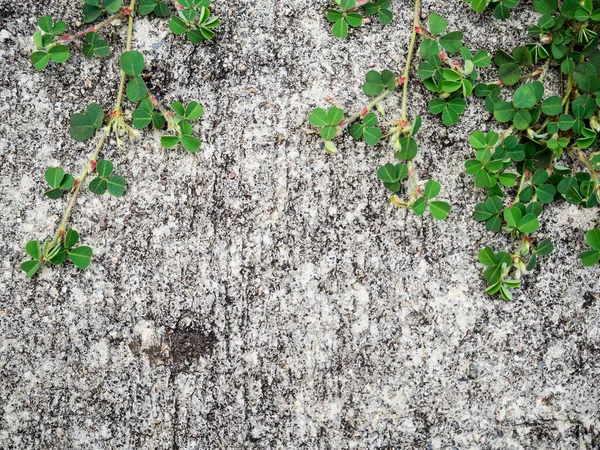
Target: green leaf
{"points": [[452, 41], [545, 6], [486, 256], [439, 210], [116, 185], [376, 82], [169, 141], [95, 115], [81, 127], [371, 135], [132, 62], [552, 106], [528, 95], [481, 59], [59, 53], [512, 216], [105, 168], [592, 237], [177, 26], [30, 268], [98, 186], [334, 115], [136, 89], [91, 12], [432, 189], [588, 258], [145, 7], [39, 59], [333, 15], [190, 143], [354, 19], [503, 112], [112, 6], [340, 29], [194, 111], [545, 247], [528, 224], [54, 176], [81, 256], [67, 182], [178, 108], [493, 274], [141, 118], [71, 238], [318, 117], [45, 23], [510, 73], [419, 206], [408, 149], [437, 24], [521, 119], [54, 194], [33, 249], [387, 173]]}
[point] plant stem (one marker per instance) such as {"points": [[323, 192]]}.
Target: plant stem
{"points": [[128, 48], [76, 36], [79, 182], [369, 106], [411, 48]]}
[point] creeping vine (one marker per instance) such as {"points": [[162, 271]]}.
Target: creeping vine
{"points": [[193, 18]]}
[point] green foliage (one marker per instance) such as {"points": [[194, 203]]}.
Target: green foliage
{"points": [[47, 45], [345, 15], [59, 182], [592, 256], [194, 20], [56, 252], [501, 8], [51, 45], [115, 184], [549, 151], [448, 69], [83, 126], [179, 123]]}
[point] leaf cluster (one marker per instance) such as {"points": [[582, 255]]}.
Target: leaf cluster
{"points": [[59, 182], [194, 20], [115, 184], [56, 253], [46, 43], [179, 122], [451, 79], [345, 15], [501, 8]]}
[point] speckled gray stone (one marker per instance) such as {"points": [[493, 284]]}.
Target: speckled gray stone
{"points": [[264, 294]]}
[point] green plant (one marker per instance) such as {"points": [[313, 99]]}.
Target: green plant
{"points": [[501, 8], [52, 45], [346, 14], [364, 125], [549, 149]]}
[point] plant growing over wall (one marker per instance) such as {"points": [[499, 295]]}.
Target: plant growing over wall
{"points": [[548, 150], [192, 18], [399, 177]]}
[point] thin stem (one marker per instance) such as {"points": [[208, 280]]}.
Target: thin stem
{"points": [[76, 36], [367, 108], [411, 48], [79, 183], [128, 48]]}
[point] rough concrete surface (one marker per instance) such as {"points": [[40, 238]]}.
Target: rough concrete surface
{"points": [[264, 294]]}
